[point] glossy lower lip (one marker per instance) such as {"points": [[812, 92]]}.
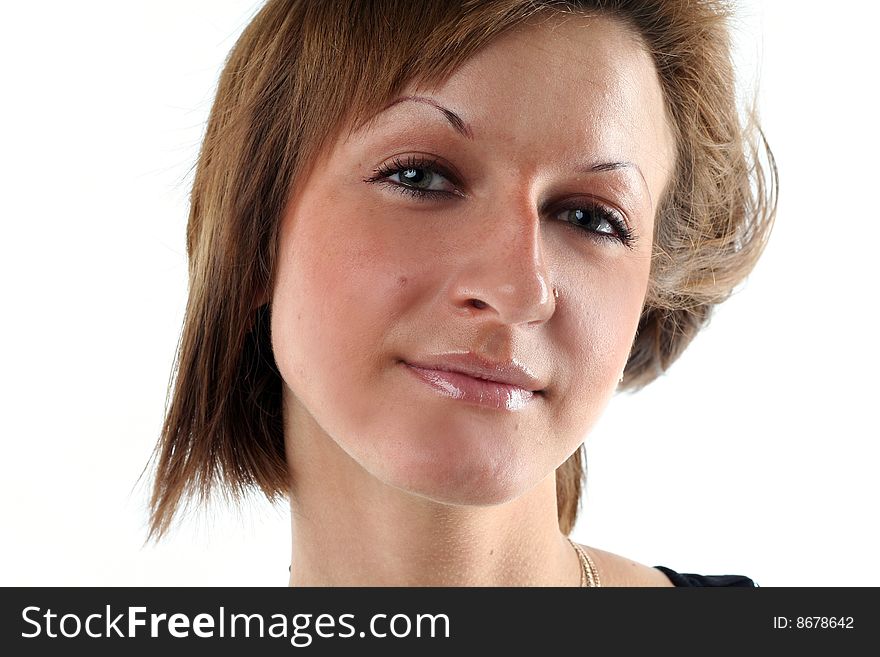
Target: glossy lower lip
{"points": [[466, 388]]}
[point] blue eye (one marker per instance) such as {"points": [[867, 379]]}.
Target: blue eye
{"points": [[592, 219], [415, 177], [420, 178], [602, 221]]}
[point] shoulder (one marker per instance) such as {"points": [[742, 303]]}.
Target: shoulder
{"points": [[615, 570]]}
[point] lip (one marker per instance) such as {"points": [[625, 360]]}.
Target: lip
{"points": [[467, 377]]}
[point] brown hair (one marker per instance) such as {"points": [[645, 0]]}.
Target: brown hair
{"points": [[304, 70]]}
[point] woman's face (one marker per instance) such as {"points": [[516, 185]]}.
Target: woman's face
{"points": [[426, 235]]}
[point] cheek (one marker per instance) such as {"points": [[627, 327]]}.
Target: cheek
{"points": [[594, 332], [334, 298]]}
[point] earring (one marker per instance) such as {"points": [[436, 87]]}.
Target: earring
{"points": [[621, 378]]}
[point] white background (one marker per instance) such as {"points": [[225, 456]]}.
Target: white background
{"points": [[756, 454]]}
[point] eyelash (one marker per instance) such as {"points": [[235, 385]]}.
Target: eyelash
{"points": [[624, 235]]}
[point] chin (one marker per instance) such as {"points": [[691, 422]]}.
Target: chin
{"points": [[458, 479]]}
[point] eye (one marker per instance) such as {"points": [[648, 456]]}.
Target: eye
{"points": [[416, 176], [599, 220], [423, 178]]}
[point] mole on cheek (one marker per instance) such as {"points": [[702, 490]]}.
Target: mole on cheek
{"points": [[401, 282]]}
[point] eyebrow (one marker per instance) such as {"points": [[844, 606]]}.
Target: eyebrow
{"points": [[461, 127], [609, 166], [615, 166]]}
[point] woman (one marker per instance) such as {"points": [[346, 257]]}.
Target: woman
{"points": [[428, 241]]}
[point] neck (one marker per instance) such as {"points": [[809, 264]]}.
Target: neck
{"points": [[351, 529]]}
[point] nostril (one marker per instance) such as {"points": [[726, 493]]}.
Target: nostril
{"points": [[478, 304]]}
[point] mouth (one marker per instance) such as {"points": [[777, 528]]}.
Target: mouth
{"points": [[472, 390]]}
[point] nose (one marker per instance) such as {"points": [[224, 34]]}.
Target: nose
{"points": [[503, 271]]}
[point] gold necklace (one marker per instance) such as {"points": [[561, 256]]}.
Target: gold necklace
{"points": [[589, 572]]}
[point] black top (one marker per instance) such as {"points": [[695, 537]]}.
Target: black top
{"points": [[691, 579]]}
